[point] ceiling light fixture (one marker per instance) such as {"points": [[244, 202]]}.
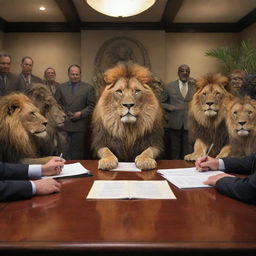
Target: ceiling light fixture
{"points": [[42, 8], [120, 8]]}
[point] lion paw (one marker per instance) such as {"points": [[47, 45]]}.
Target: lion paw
{"points": [[192, 157], [145, 163], [107, 163]]}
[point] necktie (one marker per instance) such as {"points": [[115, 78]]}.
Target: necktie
{"points": [[3, 78], [184, 90]]}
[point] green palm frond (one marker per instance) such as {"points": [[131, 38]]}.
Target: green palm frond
{"points": [[243, 57]]}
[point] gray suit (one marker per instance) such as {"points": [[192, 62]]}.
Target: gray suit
{"points": [[176, 119], [82, 98], [22, 84], [11, 84]]}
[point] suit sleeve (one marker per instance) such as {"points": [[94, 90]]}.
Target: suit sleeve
{"points": [[15, 190], [243, 189], [13, 171], [90, 104], [244, 165]]}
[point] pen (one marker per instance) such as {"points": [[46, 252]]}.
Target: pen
{"points": [[60, 159], [209, 149]]}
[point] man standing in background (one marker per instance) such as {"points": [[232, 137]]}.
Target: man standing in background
{"points": [[178, 94], [50, 76], [78, 100], [26, 78], [8, 80]]}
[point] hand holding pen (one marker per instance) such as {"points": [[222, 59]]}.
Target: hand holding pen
{"points": [[53, 167]]}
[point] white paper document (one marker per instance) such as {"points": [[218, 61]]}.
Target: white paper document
{"points": [[71, 170], [187, 177], [130, 189], [126, 167]]}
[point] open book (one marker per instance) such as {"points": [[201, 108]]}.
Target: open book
{"points": [[187, 177], [128, 189]]}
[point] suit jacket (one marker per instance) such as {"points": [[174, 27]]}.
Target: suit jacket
{"points": [[177, 118], [13, 184], [81, 99], [243, 189], [11, 84], [22, 85]]}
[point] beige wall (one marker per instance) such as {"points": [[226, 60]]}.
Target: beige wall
{"points": [[58, 50], [153, 42], [190, 48], [166, 50], [249, 33], [1, 40]]}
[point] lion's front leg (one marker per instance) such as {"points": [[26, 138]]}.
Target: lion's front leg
{"points": [[199, 150], [42, 160], [107, 160], [146, 160], [224, 152]]}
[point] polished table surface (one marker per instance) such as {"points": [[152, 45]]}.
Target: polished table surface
{"points": [[199, 222]]}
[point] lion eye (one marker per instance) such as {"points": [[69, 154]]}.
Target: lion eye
{"points": [[249, 112], [119, 92], [204, 94], [137, 91], [235, 112], [217, 93]]}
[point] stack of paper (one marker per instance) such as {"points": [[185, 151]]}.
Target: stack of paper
{"points": [[71, 170], [187, 177], [126, 167], [128, 189]]}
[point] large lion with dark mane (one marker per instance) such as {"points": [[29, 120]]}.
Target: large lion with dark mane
{"points": [[206, 118], [20, 125], [55, 141], [127, 120], [241, 123]]}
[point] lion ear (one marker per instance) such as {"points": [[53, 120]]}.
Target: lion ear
{"points": [[12, 108]]}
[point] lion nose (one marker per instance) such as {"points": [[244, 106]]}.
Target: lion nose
{"points": [[209, 103], [129, 105], [242, 123]]}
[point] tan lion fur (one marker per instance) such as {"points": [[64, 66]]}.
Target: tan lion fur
{"points": [[241, 123], [20, 123], [55, 142], [127, 118], [206, 118]]}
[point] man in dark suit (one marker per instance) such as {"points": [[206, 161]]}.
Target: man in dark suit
{"points": [[178, 94], [8, 80], [15, 183], [78, 100], [26, 78], [243, 189]]}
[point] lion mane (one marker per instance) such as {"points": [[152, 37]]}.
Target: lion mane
{"points": [[127, 120], [54, 142], [241, 120], [206, 117], [20, 124]]}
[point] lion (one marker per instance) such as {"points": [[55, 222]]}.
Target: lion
{"points": [[241, 120], [55, 141], [20, 124], [206, 117], [127, 120]]}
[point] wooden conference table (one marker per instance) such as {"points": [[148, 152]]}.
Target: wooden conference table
{"points": [[199, 222]]}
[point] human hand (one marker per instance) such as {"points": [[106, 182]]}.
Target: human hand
{"points": [[53, 167], [77, 115], [206, 163], [47, 186], [214, 178]]}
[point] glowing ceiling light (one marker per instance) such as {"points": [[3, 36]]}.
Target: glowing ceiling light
{"points": [[42, 8], [120, 8]]}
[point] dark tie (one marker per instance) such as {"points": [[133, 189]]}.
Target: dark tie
{"points": [[73, 86]]}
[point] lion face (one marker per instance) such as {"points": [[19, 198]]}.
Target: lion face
{"points": [[242, 118], [211, 98]]}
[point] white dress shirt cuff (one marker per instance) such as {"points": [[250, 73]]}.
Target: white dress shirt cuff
{"points": [[35, 171], [221, 165], [33, 188]]}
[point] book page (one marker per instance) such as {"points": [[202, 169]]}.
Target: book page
{"points": [[126, 167], [152, 189], [187, 177], [71, 170], [105, 189]]}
